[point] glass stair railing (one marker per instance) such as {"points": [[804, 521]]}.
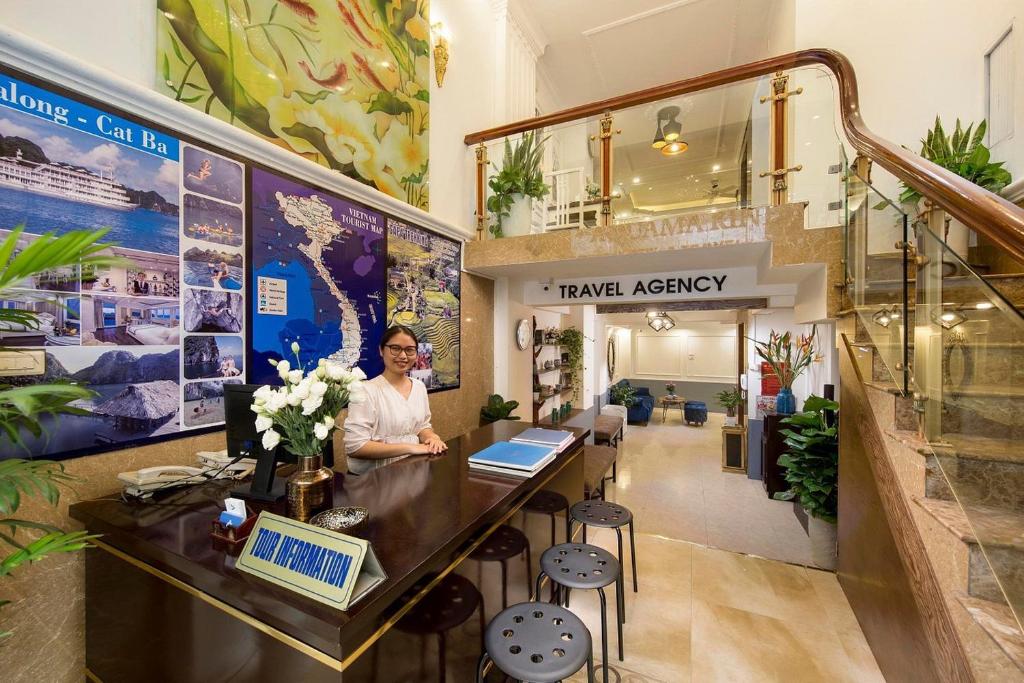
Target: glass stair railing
{"points": [[952, 345]]}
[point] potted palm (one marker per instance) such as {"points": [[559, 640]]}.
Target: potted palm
{"points": [[811, 464], [497, 408], [966, 155], [515, 186], [25, 542], [730, 399]]}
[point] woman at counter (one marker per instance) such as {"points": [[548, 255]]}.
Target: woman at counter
{"points": [[393, 421]]}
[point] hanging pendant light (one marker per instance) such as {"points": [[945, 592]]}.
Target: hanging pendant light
{"points": [[659, 138], [674, 148]]}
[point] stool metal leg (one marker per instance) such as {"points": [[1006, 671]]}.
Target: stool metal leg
{"points": [[540, 575], [481, 666], [590, 668], [604, 633], [584, 532], [442, 674], [529, 564], [620, 616], [568, 526], [504, 580], [632, 553], [621, 580], [552, 528]]}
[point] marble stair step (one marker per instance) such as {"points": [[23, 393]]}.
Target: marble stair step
{"points": [[958, 288], [997, 620], [995, 543]]}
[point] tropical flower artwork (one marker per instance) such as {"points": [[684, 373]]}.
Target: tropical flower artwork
{"points": [[341, 82]]}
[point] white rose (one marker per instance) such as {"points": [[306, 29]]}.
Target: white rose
{"points": [[328, 421], [320, 430], [282, 369], [258, 408], [310, 405], [318, 389], [301, 390], [295, 376], [263, 393], [294, 399], [271, 439], [276, 401], [336, 371], [263, 423], [321, 372], [295, 347], [358, 373]]}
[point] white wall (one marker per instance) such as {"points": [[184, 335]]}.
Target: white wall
{"points": [[120, 36], [918, 58], [698, 351]]}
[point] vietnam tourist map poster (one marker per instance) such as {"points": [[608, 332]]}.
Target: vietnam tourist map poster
{"points": [[318, 270], [67, 163], [424, 294]]}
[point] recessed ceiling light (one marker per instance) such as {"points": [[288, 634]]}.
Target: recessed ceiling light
{"points": [[650, 188], [636, 180], [984, 305], [716, 168]]}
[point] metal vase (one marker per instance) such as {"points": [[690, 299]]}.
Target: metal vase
{"points": [[310, 489]]}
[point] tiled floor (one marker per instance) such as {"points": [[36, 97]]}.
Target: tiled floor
{"points": [[672, 479]]}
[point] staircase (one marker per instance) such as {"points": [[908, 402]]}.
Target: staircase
{"points": [[950, 400]]}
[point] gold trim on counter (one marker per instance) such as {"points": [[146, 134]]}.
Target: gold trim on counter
{"points": [[260, 626]]}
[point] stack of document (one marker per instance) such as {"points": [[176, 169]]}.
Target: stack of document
{"points": [[553, 438], [516, 459]]}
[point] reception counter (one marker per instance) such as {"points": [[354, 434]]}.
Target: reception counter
{"points": [[162, 604]]}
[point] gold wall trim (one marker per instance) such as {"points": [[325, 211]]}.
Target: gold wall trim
{"points": [[249, 620]]}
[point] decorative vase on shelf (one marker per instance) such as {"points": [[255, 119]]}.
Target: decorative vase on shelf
{"points": [[310, 489], [785, 402]]}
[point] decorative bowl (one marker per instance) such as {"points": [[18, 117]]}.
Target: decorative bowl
{"points": [[346, 519]]}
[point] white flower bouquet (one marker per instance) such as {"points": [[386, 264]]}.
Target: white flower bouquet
{"points": [[300, 414]]}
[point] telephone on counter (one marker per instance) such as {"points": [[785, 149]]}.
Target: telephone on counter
{"points": [[212, 465]]}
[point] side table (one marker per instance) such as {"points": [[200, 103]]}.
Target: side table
{"points": [[667, 402]]}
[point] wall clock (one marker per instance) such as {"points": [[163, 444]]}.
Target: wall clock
{"points": [[523, 334]]}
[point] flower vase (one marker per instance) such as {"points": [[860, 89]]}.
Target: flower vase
{"points": [[785, 402], [310, 489]]}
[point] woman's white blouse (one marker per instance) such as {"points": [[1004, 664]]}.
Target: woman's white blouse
{"points": [[385, 416]]}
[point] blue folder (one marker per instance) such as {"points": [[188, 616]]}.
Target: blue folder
{"points": [[517, 456]]}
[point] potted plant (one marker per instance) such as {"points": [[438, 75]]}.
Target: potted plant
{"points": [[300, 417], [571, 340], [730, 399], [21, 407], [811, 462], [515, 186], [497, 408], [670, 387], [966, 155], [788, 360], [622, 395]]}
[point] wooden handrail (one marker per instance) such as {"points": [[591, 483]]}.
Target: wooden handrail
{"points": [[983, 211]]}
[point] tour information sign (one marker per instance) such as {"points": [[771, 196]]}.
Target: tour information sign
{"points": [[330, 567]]}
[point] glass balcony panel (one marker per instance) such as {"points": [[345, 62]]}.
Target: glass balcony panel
{"points": [[814, 143]]}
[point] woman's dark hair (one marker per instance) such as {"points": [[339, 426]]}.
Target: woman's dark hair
{"points": [[393, 332]]}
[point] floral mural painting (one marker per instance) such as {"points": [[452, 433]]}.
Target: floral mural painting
{"points": [[342, 82]]}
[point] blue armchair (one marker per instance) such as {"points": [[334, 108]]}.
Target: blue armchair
{"points": [[643, 404]]}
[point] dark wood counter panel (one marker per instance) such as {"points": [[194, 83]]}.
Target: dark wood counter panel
{"points": [[425, 513]]}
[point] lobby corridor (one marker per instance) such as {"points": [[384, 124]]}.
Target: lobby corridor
{"points": [[704, 613]]}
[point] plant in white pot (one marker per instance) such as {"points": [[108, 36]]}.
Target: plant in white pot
{"points": [[515, 186], [964, 154], [811, 464], [730, 399]]}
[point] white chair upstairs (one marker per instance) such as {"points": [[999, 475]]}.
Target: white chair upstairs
{"points": [[564, 205]]}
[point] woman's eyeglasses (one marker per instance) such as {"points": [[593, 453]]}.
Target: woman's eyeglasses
{"points": [[397, 350]]}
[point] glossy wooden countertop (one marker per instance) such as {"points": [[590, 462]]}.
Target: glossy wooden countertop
{"points": [[422, 511]]}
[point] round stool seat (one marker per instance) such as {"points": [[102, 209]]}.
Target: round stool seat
{"points": [[601, 513], [548, 502], [506, 542], [449, 604], [579, 565], [535, 641]]}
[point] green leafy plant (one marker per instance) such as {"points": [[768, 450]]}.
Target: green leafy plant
{"points": [[964, 154], [787, 359], [498, 408], [520, 174], [622, 395], [729, 399], [21, 407], [571, 339], [812, 459]]}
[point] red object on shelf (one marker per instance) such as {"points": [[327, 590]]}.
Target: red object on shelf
{"points": [[770, 384]]}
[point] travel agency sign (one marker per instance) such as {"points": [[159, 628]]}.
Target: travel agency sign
{"points": [[720, 283]]}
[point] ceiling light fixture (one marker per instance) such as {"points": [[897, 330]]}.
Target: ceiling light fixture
{"points": [[716, 168], [886, 316], [984, 305], [668, 132], [660, 321], [948, 319]]}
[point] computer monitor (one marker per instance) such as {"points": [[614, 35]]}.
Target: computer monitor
{"points": [[243, 441]]}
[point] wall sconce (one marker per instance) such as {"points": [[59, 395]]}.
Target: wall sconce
{"points": [[440, 35], [884, 317]]}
